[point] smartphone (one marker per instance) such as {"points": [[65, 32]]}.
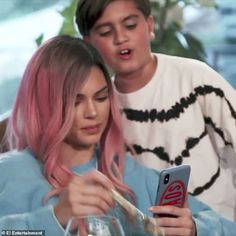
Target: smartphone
{"points": [[173, 185]]}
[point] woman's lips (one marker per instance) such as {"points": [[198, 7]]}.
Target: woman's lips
{"points": [[92, 129]]}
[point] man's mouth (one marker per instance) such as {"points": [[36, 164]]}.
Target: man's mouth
{"points": [[125, 52]]}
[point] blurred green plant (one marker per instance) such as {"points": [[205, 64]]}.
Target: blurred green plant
{"points": [[67, 26], [170, 37]]}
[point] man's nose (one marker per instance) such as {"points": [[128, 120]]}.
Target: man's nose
{"points": [[120, 36]]}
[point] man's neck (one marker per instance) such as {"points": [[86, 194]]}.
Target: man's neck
{"points": [[128, 83]]}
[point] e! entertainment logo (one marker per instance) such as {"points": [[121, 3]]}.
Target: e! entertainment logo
{"points": [[23, 232]]}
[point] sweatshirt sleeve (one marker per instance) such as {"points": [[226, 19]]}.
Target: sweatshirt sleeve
{"points": [[218, 102], [208, 222], [22, 189]]}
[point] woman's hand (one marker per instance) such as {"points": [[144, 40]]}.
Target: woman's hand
{"points": [[85, 195], [181, 223]]}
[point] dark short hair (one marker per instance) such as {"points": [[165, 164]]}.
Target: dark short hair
{"points": [[89, 11]]}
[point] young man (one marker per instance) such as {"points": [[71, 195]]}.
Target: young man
{"points": [[175, 110]]}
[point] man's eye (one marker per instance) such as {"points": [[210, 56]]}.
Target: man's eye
{"points": [[105, 34], [131, 26]]}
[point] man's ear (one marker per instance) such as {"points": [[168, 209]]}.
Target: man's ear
{"points": [[151, 25], [86, 39]]}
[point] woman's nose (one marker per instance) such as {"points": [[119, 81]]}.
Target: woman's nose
{"points": [[90, 111]]}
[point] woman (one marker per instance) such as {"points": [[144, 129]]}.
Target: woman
{"points": [[66, 129]]}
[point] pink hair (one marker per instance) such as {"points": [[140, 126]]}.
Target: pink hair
{"points": [[44, 110]]}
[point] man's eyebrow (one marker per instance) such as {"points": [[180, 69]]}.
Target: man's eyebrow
{"points": [[99, 26], [109, 24], [133, 16]]}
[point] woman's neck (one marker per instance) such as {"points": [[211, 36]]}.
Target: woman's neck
{"points": [[76, 156]]}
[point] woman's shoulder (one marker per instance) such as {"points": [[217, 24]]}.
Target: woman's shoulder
{"points": [[19, 162], [134, 167]]}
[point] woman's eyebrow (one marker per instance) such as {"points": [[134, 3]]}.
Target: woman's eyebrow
{"points": [[104, 89]]}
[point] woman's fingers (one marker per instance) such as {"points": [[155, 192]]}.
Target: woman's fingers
{"points": [[179, 222], [100, 199], [94, 177], [176, 221], [85, 195], [178, 232], [91, 190], [171, 210], [87, 191], [84, 210]]}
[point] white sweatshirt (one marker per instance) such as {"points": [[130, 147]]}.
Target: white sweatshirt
{"points": [[186, 114]]}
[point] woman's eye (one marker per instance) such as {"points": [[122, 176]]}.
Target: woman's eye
{"points": [[78, 100], [101, 99]]}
